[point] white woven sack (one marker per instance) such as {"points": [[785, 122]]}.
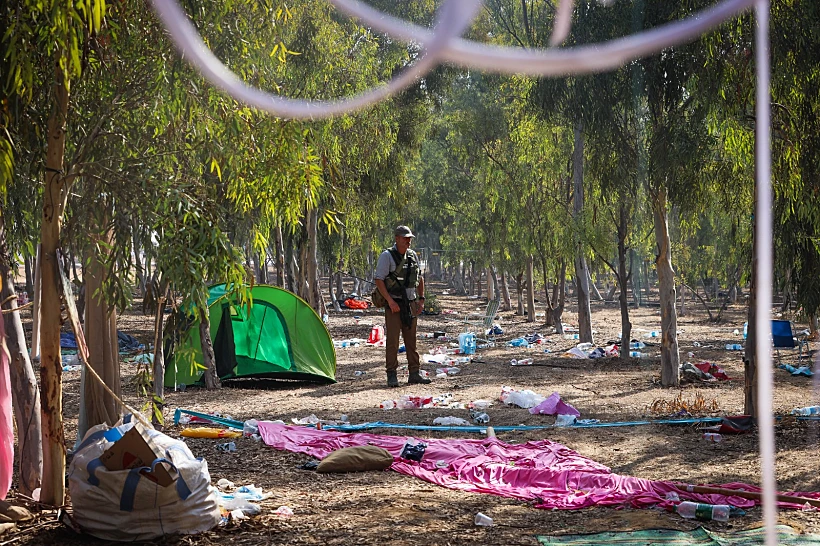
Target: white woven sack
{"points": [[123, 505]]}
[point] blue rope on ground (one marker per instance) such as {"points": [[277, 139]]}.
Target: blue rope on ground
{"points": [[239, 425]]}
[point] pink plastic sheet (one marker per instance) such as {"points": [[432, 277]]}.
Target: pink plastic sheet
{"points": [[553, 405], [546, 472], [6, 426]]}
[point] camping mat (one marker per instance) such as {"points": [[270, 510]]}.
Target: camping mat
{"points": [[697, 537]]}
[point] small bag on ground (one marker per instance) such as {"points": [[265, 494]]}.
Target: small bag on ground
{"points": [[157, 487], [356, 459]]}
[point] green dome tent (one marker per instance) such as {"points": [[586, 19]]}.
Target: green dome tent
{"points": [[280, 337]]}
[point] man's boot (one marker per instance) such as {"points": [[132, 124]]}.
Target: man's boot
{"points": [[417, 379], [392, 379]]}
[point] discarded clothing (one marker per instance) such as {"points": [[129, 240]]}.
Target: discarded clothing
{"points": [[353, 303], [802, 370], [713, 370], [546, 472]]}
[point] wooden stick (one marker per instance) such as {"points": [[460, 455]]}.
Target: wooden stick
{"points": [[753, 495]]}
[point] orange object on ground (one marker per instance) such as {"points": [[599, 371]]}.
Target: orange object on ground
{"points": [[208, 432]]}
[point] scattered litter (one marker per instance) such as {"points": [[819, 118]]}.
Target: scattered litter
{"points": [[712, 437], [413, 450], [636, 344], [284, 511], [712, 369], [481, 405], [575, 352], [309, 420], [208, 432], [483, 520], [466, 343], [480, 417], [229, 447], [520, 398], [450, 421], [802, 370], [809, 410], [734, 347], [496, 330], [572, 336], [535, 338], [553, 405], [352, 342], [71, 368], [447, 371], [144, 358], [562, 420], [359, 373], [224, 483], [521, 362], [518, 342]]}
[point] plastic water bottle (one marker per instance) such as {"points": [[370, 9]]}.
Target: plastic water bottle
{"points": [[703, 512], [635, 354], [734, 347], [637, 345], [463, 360], [521, 362], [654, 334], [712, 437], [745, 329], [809, 410], [572, 336]]}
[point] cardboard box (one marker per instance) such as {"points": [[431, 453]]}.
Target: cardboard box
{"points": [[134, 451]]}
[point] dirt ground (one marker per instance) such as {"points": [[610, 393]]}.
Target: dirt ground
{"points": [[389, 508]]}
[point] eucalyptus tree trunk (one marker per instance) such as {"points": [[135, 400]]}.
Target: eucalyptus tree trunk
{"points": [[478, 272], [750, 354], [55, 195], [158, 368], [463, 273], [35, 307], [208, 357], [519, 289], [682, 300], [670, 356], [103, 347], [138, 267], [531, 289], [555, 306], [29, 276], [492, 284], [340, 286], [26, 397], [316, 299], [594, 289], [581, 270], [334, 298], [623, 279], [279, 261], [505, 292]]}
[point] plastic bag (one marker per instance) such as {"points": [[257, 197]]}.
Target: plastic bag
{"points": [[124, 505]]}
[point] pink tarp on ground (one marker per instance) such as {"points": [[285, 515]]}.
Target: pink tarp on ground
{"points": [[543, 471]]}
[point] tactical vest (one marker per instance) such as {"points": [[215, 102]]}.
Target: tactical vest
{"points": [[406, 273]]}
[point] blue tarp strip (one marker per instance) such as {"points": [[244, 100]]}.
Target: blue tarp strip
{"points": [[239, 425]]}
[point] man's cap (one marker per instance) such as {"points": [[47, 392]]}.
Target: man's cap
{"points": [[403, 231]]}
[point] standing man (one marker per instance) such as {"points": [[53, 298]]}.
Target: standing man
{"points": [[400, 282]]}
